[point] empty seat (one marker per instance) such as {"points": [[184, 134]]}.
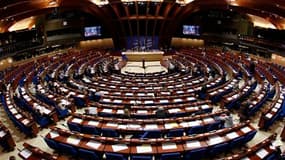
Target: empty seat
{"points": [[88, 155], [175, 133], [115, 156], [237, 142], [67, 149], [74, 127], [249, 136], [195, 154], [107, 132], [171, 156], [196, 130], [90, 130], [141, 157], [219, 148], [151, 134], [51, 143]]}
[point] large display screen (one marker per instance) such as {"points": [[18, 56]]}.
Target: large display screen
{"points": [[92, 31], [191, 30]]}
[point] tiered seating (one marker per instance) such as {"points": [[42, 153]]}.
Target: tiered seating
{"points": [[6, 139]]}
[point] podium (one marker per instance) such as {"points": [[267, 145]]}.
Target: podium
{"points": [[147, 56]]}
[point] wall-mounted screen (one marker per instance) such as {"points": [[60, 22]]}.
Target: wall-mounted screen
{"points": [[191, 30], [92, 31]]}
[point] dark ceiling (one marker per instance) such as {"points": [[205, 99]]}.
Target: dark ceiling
{"points": [[160, 18]]}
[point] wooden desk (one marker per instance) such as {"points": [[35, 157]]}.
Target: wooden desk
{"points": [[147, 56]]}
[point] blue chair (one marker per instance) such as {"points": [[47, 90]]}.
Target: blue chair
{"points": [[65, 148], [272, 156], [175, 133], [237, 142], [51, 143], [151, 134], [195, 154], [171, 156], [249, 136], [90, 130], [74, 127], [196, 130], [88, 155], [141, 157], [214, 126], [115, 156], [218, 148], [107, 132]]}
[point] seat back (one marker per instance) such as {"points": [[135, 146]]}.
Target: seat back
{"points": [[218, 148], [107, 132], [171, 156], [175, 133], [51, 143], [74, 127], [195, 154], [90, 130], [88, 155], [196, 130], [249, 136], [151, 134], [67, 149], [115, 156], [141, 157]]}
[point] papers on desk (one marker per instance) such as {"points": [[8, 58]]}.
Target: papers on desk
{"points": [[118, 101], [13, 111], [163, 101], [120, 111], [76, 120], [111, 124], [25, 121], [2, 134], [46, 111], [106, 100], [268, 115], [193, 144], [81, 96], [25, 153], [119, 147], [174, 110], [191, 98], [151, 126], [262, 153], [245, 158], [170, 125], [232, 135], [141, 111], [93, 144], [209, 119], [18, 116], [166, 146], [122, 126], [129, 94], [245, 129], [73, 140], [144, 148], [148, 102], [215, 140], [134, 126], [194, 123], [53, 134], [178, 100], [107, 110], [93, 123], [205, 106]]}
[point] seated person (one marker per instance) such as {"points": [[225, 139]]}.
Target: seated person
{"points": [[161, 112]]}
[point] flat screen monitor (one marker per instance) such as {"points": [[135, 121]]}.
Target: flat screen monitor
{"points": [[92, 31], [191, 30]]}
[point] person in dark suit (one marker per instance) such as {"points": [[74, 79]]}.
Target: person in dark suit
{"points": [[161, 112]]}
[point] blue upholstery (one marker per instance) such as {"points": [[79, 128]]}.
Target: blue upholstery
{"points": [[237, 142], [175, 133], [214, 126], [115, 156], [90, 130], [249, 136], [141, 157], [195, 154], [88, 155], [67, 149], [171, 156], [196, 130], [51, 143], [74, 127], [106, 132], [151, 134], [272, 156], [218, 148]]}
